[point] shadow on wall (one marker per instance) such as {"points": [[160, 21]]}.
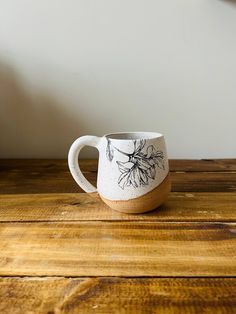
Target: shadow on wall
{"points": [[34, 125], [233, 2]]}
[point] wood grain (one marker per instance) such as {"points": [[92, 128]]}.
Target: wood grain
{"points": [[49, 228], [117, 295], [203, 181], [35, 176], [47, 182], [182, 207], [117, 249], [90, 165], [44, 181], [42, 165], [203, 165]]}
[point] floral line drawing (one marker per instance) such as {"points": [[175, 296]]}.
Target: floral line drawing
{"points": [[141, 164]]}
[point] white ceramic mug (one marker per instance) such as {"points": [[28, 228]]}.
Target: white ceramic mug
{"points": [[133, 170]]}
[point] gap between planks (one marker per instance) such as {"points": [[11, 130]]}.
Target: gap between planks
{"points": [[113, 277], [78, 222], [118, 221]]}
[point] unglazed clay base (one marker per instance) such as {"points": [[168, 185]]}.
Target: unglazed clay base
{"points": [[145, 203]]}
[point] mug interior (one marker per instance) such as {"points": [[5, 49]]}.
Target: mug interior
{"points": [[133, 135]]}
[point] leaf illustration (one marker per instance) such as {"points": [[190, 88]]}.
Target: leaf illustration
{"points": [[141, 165], [150, 151], [132, 175], [155, 157], [151, 172], [124, 166], [140, 146], [109, 150]]}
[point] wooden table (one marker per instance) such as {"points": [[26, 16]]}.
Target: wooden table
{"points": [[64, 252]]}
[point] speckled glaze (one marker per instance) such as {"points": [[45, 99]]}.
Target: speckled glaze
{"points": [[130, 164]]}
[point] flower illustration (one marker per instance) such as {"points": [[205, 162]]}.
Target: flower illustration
{"points": [[141, 164]]}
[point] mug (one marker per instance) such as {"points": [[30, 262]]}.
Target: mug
{"points": [[133, 170]]}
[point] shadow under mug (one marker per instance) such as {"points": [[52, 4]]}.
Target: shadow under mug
{"points": [[133, 170]]}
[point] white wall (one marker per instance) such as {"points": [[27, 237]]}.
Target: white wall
{"points": [[73, 67]]}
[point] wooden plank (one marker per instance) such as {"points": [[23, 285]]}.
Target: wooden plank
{"points": [[205, 165], [43, 165], [90, 165], [203, 182], [47, 182], [117, 295], [63, 183], [117, 249], [42, 175], [53, 176], [18, 182], [81, 206]]}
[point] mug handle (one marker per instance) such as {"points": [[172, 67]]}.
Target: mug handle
{"points": [[73, 163]]}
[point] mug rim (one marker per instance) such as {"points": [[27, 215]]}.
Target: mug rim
{"points": [[145, 135]]}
